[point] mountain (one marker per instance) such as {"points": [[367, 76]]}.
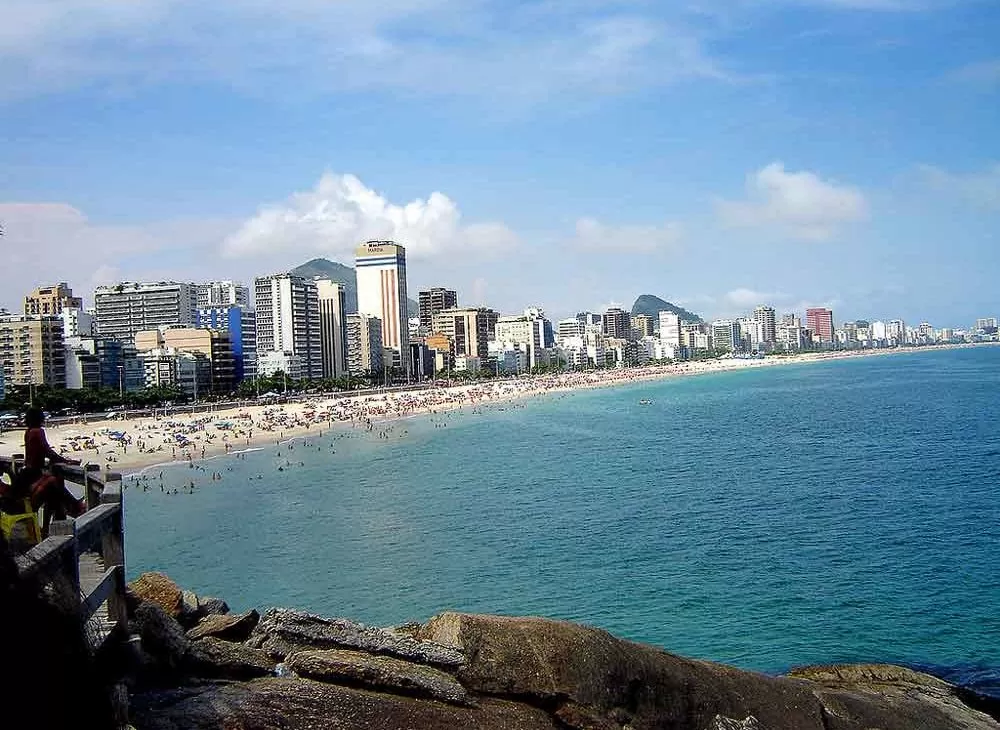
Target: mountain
{"points": [[648, 304], [342, 275]]}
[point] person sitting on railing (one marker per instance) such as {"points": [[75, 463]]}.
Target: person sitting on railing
{"points": [[34, 480]]}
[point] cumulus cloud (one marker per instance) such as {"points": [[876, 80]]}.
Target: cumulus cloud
{"points": [[341, 211], [799, 204], [594, 235], [979, 188]]}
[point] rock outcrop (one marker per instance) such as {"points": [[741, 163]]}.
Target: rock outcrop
{"points": [[296, 670]]}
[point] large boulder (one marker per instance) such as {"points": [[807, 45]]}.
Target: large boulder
{"points": [[229, 626], [592, 679], [343, 666], [212, 657], [301, 704], [164, 646], [208, 606], [890, 697], [282, 631], [159, 589]]}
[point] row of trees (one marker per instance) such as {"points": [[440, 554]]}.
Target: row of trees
{"points": [[93, 400], [86, 400]]}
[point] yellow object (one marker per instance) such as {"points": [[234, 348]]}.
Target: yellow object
{"points": [[25, 524]]}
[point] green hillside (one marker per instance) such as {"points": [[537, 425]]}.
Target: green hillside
{"points": [[652, 305]]}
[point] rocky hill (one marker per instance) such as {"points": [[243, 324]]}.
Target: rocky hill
{"points": [[651, 305], [203, 668], [344, 275]]}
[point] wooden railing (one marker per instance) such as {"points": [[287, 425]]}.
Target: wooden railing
{"points": [[56, 560]]}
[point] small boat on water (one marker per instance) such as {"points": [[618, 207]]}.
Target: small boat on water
{"points": [[645, 402]]}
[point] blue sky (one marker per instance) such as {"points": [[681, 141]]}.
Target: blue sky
{"points": [[717, 153]]}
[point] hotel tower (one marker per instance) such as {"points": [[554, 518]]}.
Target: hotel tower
{"points": [[381, 272]]}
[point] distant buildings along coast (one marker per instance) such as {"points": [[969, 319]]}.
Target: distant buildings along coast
{"points": [[212, 337]]}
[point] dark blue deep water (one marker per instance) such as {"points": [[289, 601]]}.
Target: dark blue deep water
{"points": [[840, 511]]}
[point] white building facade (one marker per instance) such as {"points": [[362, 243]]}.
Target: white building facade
{"points": [[381, 272], [288, 321]]}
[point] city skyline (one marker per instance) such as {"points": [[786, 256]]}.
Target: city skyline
{"points": [[745, 308], [832, 153]]}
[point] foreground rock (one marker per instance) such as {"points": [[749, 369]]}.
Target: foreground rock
{"points": [[378, 672], [230, 626], [159, 589], [498, 673], [282, 631], [211, 657], [301, 704]]}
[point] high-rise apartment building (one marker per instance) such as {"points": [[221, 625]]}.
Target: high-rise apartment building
{"points": [[987, 325], [288, 326], [213, 344], [241, 324], [767, 324], [670, 329], [643, 325], [77, 323], [819, 320], [333, 327], [567, 328], [527, 331], [433, 301], [126, 308], [895, 331], [726, 335], [50, 301], [381, 272], [470, 329], [617, 323], [223, 294], [32, 351], [364, 344]]}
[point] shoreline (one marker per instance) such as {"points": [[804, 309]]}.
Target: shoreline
{"points": [[132, 447]]}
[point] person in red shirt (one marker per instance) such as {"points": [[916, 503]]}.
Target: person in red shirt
{"points": [[45, 488]]}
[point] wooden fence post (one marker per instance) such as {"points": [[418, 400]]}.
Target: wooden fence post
{"points": [[90, 493], [69, 561], [113, 552]]}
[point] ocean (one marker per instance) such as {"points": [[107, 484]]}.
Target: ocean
{"points": [[838, 511]]}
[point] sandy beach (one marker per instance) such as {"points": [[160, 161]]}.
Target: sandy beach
{"points": [[130, 445]]}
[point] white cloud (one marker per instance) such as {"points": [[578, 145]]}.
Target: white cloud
{"points": [[748, 298], [594, 235], [487, 48], [979, 188], [340, 212], [799, 204], [45, 243]]}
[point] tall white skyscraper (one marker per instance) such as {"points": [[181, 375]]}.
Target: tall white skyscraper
{"points": [[670, 329], [381, 271], [288, 326], [333, 327], [767, 321]]}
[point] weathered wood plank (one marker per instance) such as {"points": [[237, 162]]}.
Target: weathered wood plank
{"points": [[90, 525], [43, 557], [102, 592]]}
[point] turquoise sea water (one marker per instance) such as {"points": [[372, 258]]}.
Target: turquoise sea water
{"points": [[840, 511]]}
